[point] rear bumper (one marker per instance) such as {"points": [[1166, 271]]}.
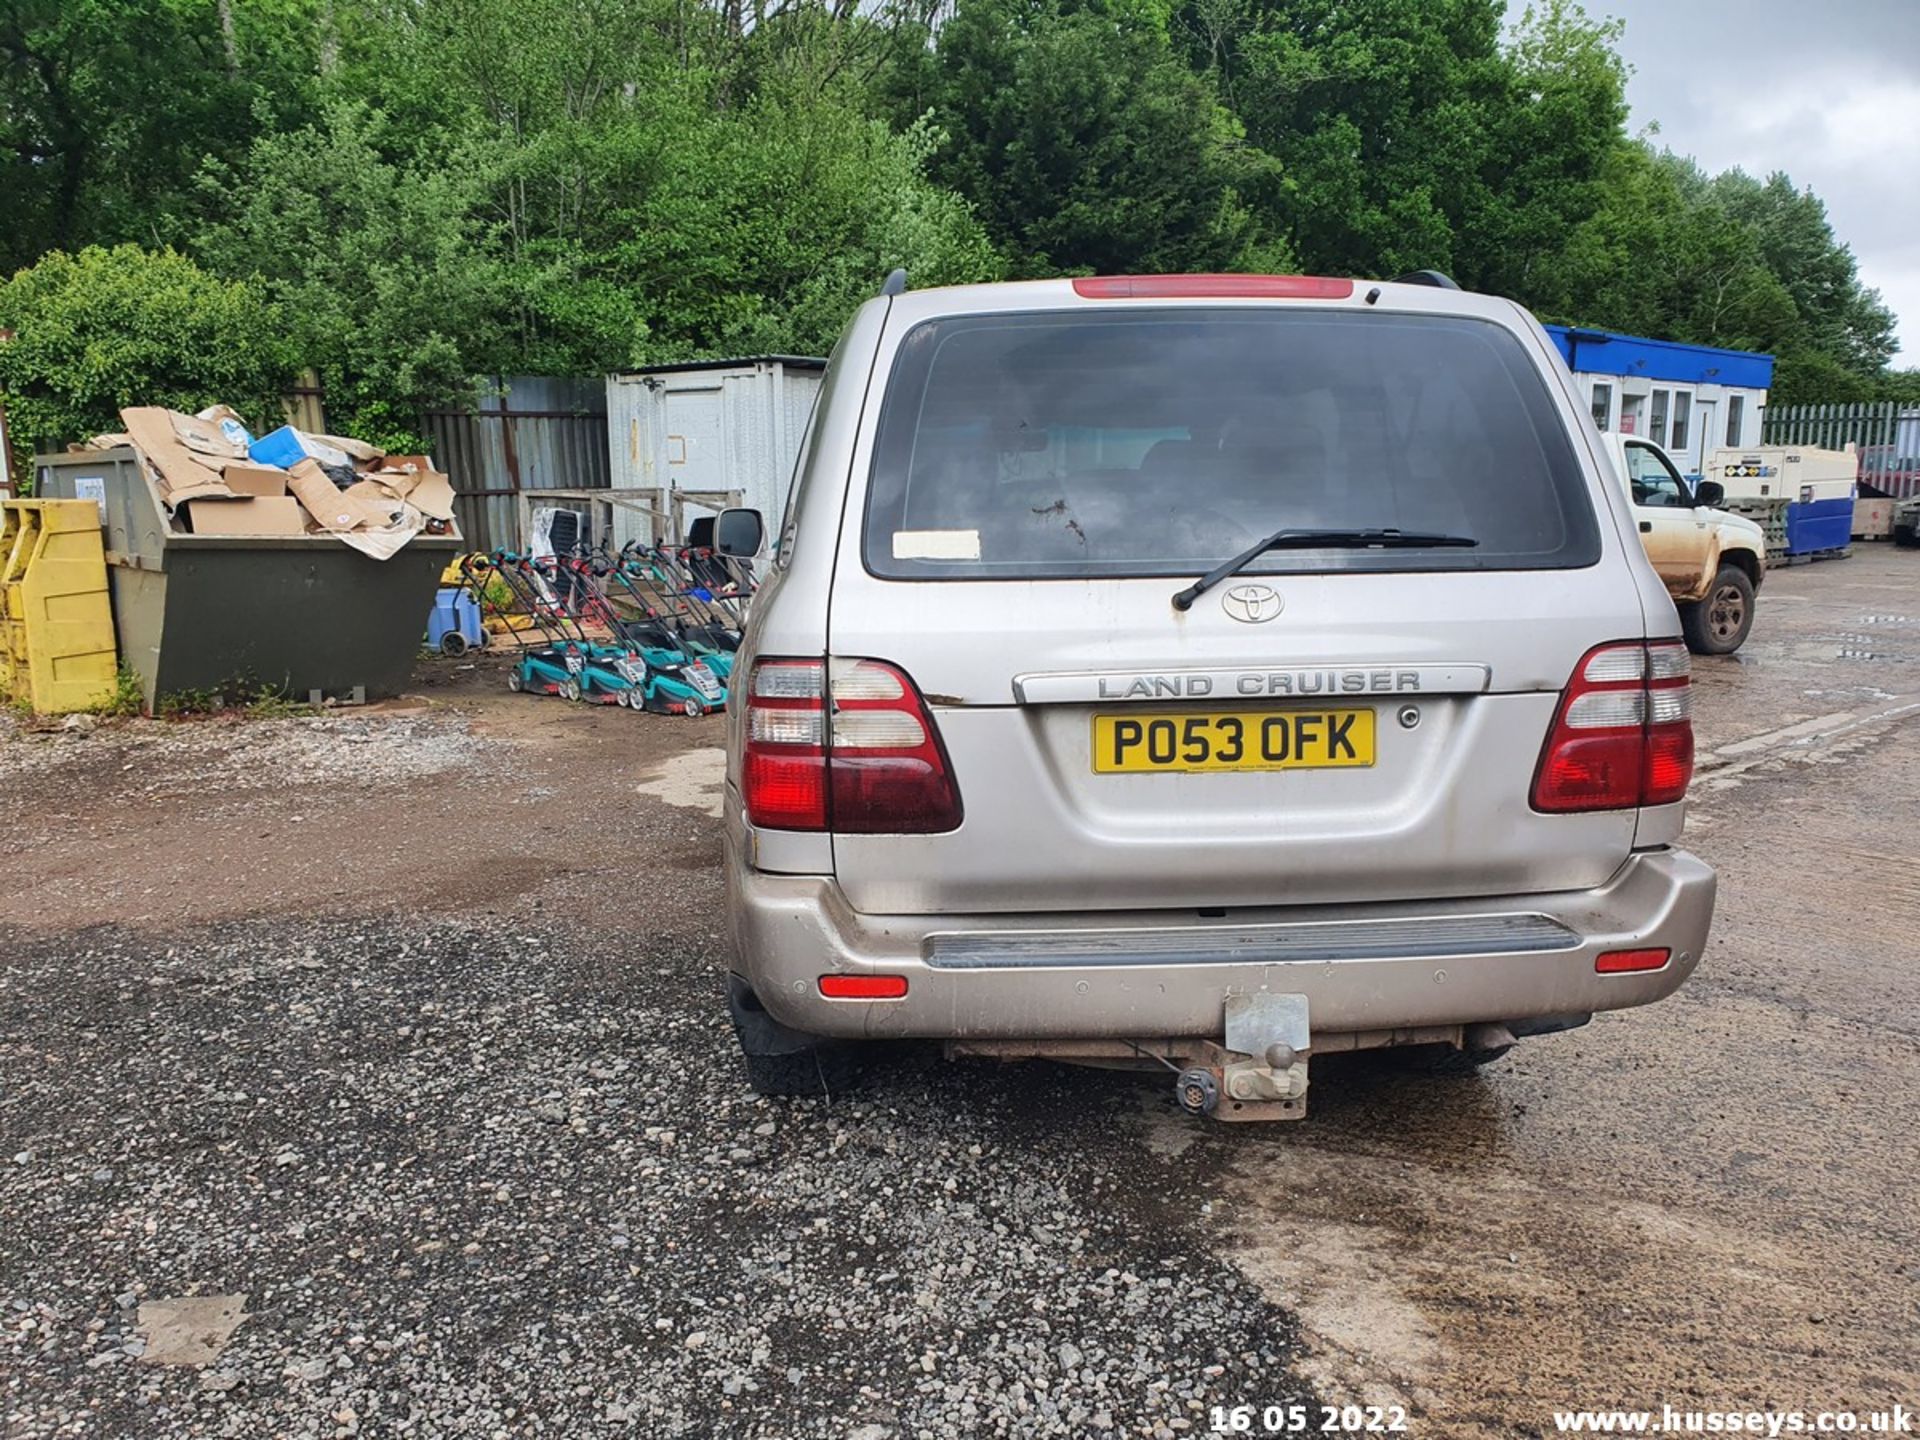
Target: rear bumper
{"points": [[1140, 975]]}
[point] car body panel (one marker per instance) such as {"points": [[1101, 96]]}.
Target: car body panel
{"points": [[1225, 839], [790, 930]]}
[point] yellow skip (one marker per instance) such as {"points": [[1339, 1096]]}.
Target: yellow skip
{"points": [[57, 650]]}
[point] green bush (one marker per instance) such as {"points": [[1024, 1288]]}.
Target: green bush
{"points": [[386, 272], [100, 329]]}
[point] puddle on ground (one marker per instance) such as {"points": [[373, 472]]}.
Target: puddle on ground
{"points": [[693, 780]]}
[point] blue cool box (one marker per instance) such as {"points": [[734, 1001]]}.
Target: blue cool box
{"points": [[282, 447]]}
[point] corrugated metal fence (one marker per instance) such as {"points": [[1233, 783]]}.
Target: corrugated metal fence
{"points": [[526, 433], [1887, 434]]}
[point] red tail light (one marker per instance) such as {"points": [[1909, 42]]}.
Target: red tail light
{"points": [[1259, 287], [1623, 734], [863, 987], [1628, 962], [847, 746], [784, 772]]}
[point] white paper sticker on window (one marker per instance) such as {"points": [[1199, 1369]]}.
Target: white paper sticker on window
{"points": [[936, 544]]}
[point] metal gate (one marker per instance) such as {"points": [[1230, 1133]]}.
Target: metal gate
{"points": [[1887, 436]]}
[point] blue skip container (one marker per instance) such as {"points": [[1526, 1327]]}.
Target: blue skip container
{"points": [[1814, 526], [454, 627]]}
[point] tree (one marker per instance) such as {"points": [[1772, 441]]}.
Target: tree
{"points": [[1723, 260], [432, 190], [1085, 144], [763, 228], [1660, 257], [1378, 115], [100, 329], [655, 185], [1840, 316], [1553, 121], [1803, 376], [385, 277], [108, 107]]}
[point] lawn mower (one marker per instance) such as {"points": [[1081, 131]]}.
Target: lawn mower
{"points": [[565, 662], [669, 680], [649, 584]]}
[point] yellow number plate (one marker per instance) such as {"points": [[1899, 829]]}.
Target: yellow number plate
{"points": [[1233, 740]]}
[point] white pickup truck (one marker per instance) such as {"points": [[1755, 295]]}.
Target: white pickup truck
{"points": [[1711, 561]]}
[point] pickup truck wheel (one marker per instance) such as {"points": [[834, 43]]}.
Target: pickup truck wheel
{"points": [[781, 1061], [1718, 625]]}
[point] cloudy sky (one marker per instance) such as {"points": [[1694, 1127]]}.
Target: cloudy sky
{"points": [[1829, 93]]}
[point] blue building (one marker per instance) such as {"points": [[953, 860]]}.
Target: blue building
{"points": [[1691, 399]]}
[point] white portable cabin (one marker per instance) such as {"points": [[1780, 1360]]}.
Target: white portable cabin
{"points": [[691, 439], [1689, 399]]}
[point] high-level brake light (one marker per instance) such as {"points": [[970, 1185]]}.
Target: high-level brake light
{"points": [[1225, 287]]}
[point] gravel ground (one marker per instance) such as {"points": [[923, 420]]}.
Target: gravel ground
{"points": [[478, 1180], [397, 1036], [243, 756]]}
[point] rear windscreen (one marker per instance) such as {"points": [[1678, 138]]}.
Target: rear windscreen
{"points": [[1160, 442]]}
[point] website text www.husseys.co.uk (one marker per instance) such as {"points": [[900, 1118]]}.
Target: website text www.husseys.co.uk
{"points": [[1672, 1420]]}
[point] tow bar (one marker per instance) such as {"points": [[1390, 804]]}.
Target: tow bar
{"points": [[1260, 1073]]}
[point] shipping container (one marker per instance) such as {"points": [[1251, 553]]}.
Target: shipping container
{"points": [[694, 438]]}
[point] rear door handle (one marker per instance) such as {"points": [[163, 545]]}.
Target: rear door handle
{"points": [[1646, 527]]}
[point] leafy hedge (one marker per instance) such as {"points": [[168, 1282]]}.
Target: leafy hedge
{"points": [[126, 326]]}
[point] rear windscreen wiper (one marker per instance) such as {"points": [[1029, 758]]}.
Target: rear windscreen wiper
{"points": [[1291, 539]]}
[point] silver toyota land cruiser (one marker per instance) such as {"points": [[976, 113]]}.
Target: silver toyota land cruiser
{"points": [[1206, 672]]}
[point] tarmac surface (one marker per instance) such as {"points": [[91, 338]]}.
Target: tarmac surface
{"points": [[366, 1074]]}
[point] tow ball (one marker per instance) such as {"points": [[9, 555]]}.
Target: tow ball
{"points": [[1260, 1072]]}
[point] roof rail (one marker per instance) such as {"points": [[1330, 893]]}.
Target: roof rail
{"points": [[1426, 277], [896, 283]]}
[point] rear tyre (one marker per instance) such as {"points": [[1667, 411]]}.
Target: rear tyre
{"points": [[1719, 624], [784, 1062], [453, 644], [514, 682], [570, 690]]}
